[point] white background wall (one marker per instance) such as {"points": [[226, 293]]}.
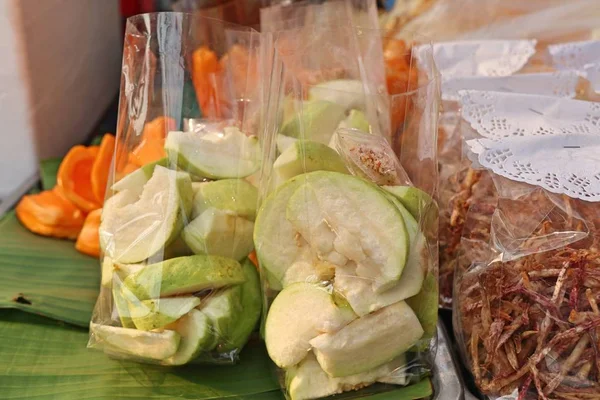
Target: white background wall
{"points": [[59, 70]]}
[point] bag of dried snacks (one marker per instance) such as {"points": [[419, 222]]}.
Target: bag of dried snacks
{"points": [[526, 290], [349, 281], [178, 283]]}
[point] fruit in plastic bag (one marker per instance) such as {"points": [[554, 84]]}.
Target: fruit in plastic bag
{"points": [[306, 156], [184, 275], [369, 341], [220, 233], [196, 334], [153, 314], [307, 380], [214, 155], [136, 227], [317, 121], [151, 345], [344, 218], [348, 93], [300, 313], [234, 195]]}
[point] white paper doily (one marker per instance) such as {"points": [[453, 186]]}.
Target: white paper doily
{"points": [[497, 115], [479, 57], [575, 55], [559, 84], [592, 74], [545, 141]]}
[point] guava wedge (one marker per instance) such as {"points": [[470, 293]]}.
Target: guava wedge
{"points": [[283, 142], [307, 380], [120, 295], [133, 229], [346, 219], [369, 341], [425, 306], [250, 300], [196, 334], [234, 195], [415, 200], [184, 275], [316, 121], [136, 180], [355, 120], [219, 233], [361, 294], [214, 155], [307, 156], [152, 345], [153, 314], [275, 239], [221, 307], [314, 271], [348, 93], [299, 313]]}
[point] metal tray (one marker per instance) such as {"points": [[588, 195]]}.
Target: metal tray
{"points": [[446, 377]]}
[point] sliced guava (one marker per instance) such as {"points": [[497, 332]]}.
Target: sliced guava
{"points": [[361, 294], [222, 307], [196, 334], [184, 275], [348, 93], [214, 155], [425, 306], [307, 380], [369, 341], [136, 180], [415, 200], [250, 300], [134, 231], [275, 239], [346, 219], [316, 121], [220, 233], [314, 271], [119, 295], [356, 120], [307, 156], [283, 142], [153, 314], [299, 313], [234, 195], [152, 345]]}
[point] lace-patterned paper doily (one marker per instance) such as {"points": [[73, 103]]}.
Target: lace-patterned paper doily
{"points": [[479, 57], [581, 56], [559, 84], [575, 55], [544, 141]]}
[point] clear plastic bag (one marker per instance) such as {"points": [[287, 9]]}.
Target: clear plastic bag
{"points": [[349, 281], [178, 285], [526, 285]]}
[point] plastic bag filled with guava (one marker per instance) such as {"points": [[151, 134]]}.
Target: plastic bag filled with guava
{"points": [[178, 283], [341, 237]]}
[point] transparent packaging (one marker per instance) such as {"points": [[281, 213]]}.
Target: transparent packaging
{"points": [[349, 281], [526, 284], [178, 283]]}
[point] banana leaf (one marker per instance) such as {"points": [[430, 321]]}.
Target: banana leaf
{"points": [[46, 360], [46, 276], [48, 171]]}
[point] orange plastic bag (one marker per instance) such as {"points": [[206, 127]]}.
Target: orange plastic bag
{"points": [[88, 241], [74, 177]]}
